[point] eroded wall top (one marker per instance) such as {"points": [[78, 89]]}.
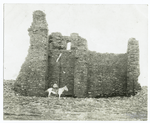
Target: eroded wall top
{"points": [[57, 41]]}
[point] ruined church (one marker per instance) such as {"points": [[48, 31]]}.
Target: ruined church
{"points": [[86, 73]]}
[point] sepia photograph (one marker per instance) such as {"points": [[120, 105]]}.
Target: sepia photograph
{"points": [[75, 62]]}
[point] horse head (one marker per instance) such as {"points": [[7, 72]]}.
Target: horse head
{"points": [[66, 88]]}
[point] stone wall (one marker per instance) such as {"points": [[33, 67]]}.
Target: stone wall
{"points": [[32, 79], [67, 70], [62, 72], [107, 74], [80, 74], [77, 42], [59, 42], [95, 74], [86, 73], [133, 70]]}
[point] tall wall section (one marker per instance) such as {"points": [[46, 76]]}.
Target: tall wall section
{"points": [[80, 70], [32, 78], [62, 72], [67, 70], [133, 68]]}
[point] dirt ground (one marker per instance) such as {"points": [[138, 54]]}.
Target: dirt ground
{"points": [[17, 107]]}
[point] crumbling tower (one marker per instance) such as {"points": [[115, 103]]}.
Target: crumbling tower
{"points": [[32, 78], [133, 68]]}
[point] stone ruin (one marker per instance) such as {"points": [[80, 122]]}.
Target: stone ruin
{"points": [[85, 73]]}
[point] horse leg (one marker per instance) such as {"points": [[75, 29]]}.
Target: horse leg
{"points": [[59, 93], [49, 94], [59, 96]]}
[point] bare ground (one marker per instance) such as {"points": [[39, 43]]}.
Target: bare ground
{"points": [[67, 108]]}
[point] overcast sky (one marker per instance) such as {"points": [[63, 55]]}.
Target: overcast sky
{"points": [[107, 28]]}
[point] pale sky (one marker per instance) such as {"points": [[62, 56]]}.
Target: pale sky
{"points": [[106, 28]]}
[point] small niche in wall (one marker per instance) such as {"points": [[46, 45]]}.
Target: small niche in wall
{"points": [[68, 45]]}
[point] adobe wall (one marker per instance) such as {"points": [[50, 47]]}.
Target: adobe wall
{"points": [[65, 71], [32, 78], [62, 72], [81, 74], [133, 67], [107, 73], [59, 42], [86, 73], [91, 74]]}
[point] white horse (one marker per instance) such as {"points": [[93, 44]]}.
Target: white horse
{"points": [[60, 91]]}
